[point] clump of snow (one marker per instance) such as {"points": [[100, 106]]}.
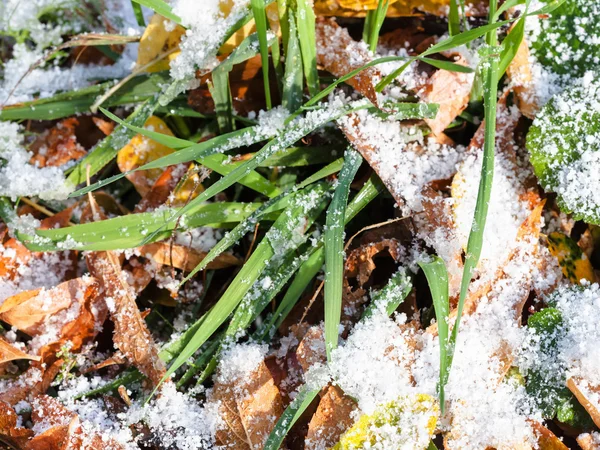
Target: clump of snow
{"points": [[240, 360], [207, 25], [18, 178]]}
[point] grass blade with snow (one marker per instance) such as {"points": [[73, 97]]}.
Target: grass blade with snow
{"points": [[160, 7], [293, 78], [437, 278], [305, 18], [334, 249], [260, 20]]}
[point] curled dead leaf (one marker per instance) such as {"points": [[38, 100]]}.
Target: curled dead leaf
{"points": [[57, 146], [10, 432], [546, 439], [589, 441], [9, 352], [340, 54], [332, 418], [587, 395], [249, 407], [185, 258]]}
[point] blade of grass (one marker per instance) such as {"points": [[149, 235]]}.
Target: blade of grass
{"points": [[293, 77], [376, 23], [305, 18], [160, 7], [391, 295], [334, 249], [437, 278], [453, 19], [138, 13], [284, 235], [260, 19], [290, 416]]}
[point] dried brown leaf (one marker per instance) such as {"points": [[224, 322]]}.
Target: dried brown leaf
{"points": [[131, 335], [185, 258], [9, 352], [519, 74], [340, 54], [332, 418], [400, 8], [546, 439], [311, 349], [451, 91], [585, 394], [57, 146], [589, 441], [10, 433], [250, 408]]}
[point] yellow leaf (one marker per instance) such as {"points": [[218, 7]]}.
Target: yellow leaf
{"points": [[358, 8], [141, 150], [403, 417], [573, 262], [160, 36]]}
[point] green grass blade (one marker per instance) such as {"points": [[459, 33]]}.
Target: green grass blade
{"points": [[391, 295], [289, 417], [138, 13], [293, 77], [160, 7], [334, 249], [437, 278], [283, 235], [446, 65], [453, 19], [281, 141], [260, 19], [200, 362], [376, 23], [305, 18], [221, 94], [368, 24]]}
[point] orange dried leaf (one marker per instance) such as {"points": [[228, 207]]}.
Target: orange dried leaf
{"points": [[10, 433], [159, 38], [585, 394], [332, 418], [9, 352], [131, 335], [185, 258], [57, 146], [547, 440], [249, 408], [340, 54], [589, 441]]}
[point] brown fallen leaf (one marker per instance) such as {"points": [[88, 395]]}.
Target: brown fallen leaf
{"points": [[399, 8], [185, 258], [546, 439], [9, 352], [131, 335], [340, 54], [311, 349], [249, 407], [451, 91], [585, 392], [10, 433], [62, 429], [332, 418], [589, 441], [57, 146], [29, 310], [519, 74]]}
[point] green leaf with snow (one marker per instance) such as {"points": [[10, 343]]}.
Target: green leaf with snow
{"points": [[564, 145]]}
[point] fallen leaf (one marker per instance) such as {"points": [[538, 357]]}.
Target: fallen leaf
{"points": [[546, 439], [587, 395], [519, 74], [589, 441], [10, 433], [57, 146], [131, 335], [311, 349], [332, 418], [400, 8], [9, 352], [451, 91], [574, 263], [340, 54], [249, 408], [159, 37], [185, 258]]}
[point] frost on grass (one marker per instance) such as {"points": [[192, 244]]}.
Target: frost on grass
{"points": [[18, 178]]}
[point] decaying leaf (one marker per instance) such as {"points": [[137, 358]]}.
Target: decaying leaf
{"points": [[9, 352], [450, 90], [29, 311], [62, 429], [311, 349], [340, 54], [547, 440], [519, 74], [574, 263], [10, 433], [141, 150], [332, 418], [184, 258], [131, 335], [589, 441], [399, 8], [57, 146], [249, 408], [587, 395]]}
